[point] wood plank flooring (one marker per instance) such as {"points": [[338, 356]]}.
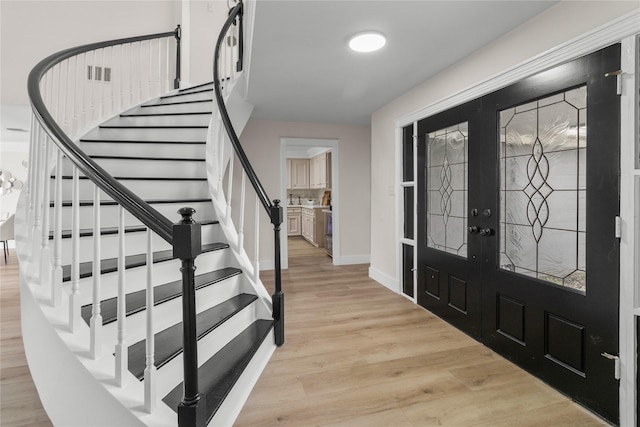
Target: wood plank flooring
{"points": [[19, 401], [356, 354]]}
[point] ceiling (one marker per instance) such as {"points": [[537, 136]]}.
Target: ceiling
{"points": [[301, 68]]}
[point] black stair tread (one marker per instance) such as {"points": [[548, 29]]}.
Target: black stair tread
{"points": [[130, 141], [186, 113], [153, 127], [219, 374], [135, 302], [141, 178], [181, 159], [186, 92], [177, 103], [186, 89], [110, 265], [67, 203], [168, 343], [88, 232]]}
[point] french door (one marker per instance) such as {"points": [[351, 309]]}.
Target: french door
{"points": [[517, 205]]}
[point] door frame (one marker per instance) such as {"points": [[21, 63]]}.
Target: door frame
{"points": [[300, 142], [623, 30]]}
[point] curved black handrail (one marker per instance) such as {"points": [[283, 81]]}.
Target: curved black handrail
{"points": [[242, 157], [125, 197]]}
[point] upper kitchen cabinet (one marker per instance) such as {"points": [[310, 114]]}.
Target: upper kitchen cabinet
{"points": [[320, 171], [298, 174]]}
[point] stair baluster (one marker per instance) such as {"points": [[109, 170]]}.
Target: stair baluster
{"points": [[56, 272], [96, 316], [256, 261], [229, 187], [74, 298], [38, 204], [122, 359], [243, 191], [45, 256], [150, 398]]}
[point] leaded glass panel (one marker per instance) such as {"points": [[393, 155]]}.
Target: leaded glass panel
{"points": [[447, 166], [543, 189]]}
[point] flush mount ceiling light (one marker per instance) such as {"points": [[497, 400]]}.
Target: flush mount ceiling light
{"points": [[368, 41]]}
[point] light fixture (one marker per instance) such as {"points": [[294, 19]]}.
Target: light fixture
{"points": [[367, 41]]}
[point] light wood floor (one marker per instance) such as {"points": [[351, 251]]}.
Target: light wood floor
{"points": [[356, 354], [19, 401]]}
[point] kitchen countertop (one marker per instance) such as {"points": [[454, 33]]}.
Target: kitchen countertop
{"points": [[306, 206]]}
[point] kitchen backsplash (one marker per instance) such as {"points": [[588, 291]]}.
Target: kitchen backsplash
{"points": [[315, 194]]}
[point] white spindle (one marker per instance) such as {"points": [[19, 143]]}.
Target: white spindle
{"points": [[221, 144], [74, 297], [91, 82], [33, 166], [159, 67], [167, 61], [96, 312], [149, 89], [122, 357], [56, 273], [229, 187], [140, 67], [131, 100], [118, 76], [81, 81], [35, 235], [150, 368], [66, 96], [256, 261], [241, 212], [45, 255], [103, 88]]}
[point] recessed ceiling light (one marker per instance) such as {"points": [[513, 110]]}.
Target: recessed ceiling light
{"points": [[368, 41]]}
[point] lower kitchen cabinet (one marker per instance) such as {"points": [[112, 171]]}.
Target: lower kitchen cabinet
{"points": [[312, 224], [294, 222]]}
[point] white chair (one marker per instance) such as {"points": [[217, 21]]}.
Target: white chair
{"points": [[6, 234]]}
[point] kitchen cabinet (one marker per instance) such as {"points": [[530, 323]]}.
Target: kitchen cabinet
{"points": [[320, 171], [312, 225], [297, 174], [294, 222]]}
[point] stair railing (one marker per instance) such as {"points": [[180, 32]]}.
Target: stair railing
{"points": [[232, 33], [70, 92]]}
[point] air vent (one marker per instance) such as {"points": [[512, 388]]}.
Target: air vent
{"points": [[98, 73]]}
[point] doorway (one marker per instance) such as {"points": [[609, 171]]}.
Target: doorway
{"points": [[317, 204], [517, 201]]}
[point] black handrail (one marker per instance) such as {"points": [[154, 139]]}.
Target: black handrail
{"points": [[274, 210], [130, 201]]}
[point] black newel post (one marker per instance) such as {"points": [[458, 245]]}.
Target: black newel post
{"points": [[176, 82], [187, 246], [278, 296]]}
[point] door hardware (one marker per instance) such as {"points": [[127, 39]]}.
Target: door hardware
{"points": [[486, 232], [616, 360], [486, 213], [473, 229], [474, 212]]}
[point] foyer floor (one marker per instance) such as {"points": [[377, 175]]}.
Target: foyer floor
{"points": [[356, 354]]}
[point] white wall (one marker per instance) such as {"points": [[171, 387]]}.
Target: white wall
{"points": [[261, 141], [560, 23]]}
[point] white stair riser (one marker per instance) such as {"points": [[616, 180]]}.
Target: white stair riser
{"points": [[169, 313], [156, 167], [163, 272], [146, 189], [109, 214], [198, 107], [135, 243], [179, 120], [145, 134], [172, 373], [132, 149]]}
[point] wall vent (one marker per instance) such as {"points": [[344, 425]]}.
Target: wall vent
{"points": [[98, 73]]}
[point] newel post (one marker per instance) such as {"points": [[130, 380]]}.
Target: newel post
{"points": [[278, 297], [187, 245]]}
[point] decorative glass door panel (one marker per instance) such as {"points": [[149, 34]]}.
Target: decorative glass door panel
{"points": [[447, 167], [543, 189]]}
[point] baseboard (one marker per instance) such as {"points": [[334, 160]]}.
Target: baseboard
{"points": [[266, 265], [384, 280], [352, 259]]}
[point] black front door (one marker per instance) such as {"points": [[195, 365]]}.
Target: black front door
{"points": [[539, 215]]}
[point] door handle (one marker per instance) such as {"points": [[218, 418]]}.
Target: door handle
{"points": [[473, 229], [486, 232]]}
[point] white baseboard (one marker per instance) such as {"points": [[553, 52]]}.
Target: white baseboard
{"points": [[266, 265], [384, 280], [352, 259]]}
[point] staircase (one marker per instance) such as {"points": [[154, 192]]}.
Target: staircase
{"points": [[175, 327]]}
